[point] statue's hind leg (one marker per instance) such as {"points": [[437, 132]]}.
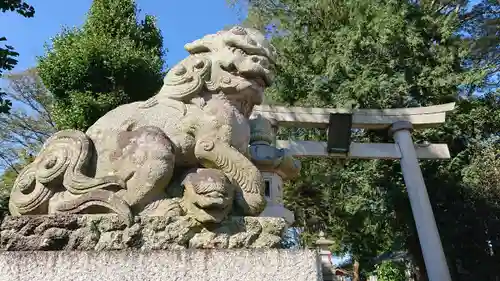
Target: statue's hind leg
{"points": [[145, 160]]}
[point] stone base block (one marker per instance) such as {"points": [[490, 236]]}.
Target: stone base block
{"points": [[278, 211], [111, 232], [164, 265]]}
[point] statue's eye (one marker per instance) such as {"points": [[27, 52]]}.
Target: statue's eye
{"points": [[239, 51], [245, 52]]}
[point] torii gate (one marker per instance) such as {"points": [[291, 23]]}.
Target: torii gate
{"points": [[399, 123]]}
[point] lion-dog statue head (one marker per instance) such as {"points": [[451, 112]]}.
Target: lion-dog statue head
{"points": [[237, 63]]}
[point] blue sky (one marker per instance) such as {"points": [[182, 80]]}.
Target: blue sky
{"points": [[180, 22]]}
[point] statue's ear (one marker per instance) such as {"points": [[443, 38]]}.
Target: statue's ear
{"points": [[187, 79]]}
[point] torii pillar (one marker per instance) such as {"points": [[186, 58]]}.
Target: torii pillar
{"points": [[432, 249]]}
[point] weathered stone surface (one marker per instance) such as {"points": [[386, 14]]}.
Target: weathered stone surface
{"points": [[168, 265], [110, 232], [132, 157]]}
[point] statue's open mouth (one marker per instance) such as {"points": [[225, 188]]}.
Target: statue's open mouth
{"points": [[258, 77]]}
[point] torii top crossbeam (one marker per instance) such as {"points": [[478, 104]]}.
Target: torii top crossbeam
{"points": [[310, 117]]}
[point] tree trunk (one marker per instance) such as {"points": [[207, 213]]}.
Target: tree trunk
{"points": [[413, 245], [355, 271]]}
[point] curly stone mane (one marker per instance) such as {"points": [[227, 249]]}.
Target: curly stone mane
{"points": [[212, 67]]}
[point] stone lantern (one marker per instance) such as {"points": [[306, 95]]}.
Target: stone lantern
{"points": [[275, 164], [325, 256]]}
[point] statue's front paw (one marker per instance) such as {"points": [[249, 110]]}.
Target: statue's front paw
{"points": [[163, 208]]}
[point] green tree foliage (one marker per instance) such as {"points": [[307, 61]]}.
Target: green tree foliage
{"points": [[7, 53], [113, 59], [483, 173], [391, 271], [387, 54], [30, 122], [481, 25], [4, 199], [23, 131], [7, 180]]}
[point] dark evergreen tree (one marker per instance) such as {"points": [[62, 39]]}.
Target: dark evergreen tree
{"points": [[390, 54], [111, 60]]}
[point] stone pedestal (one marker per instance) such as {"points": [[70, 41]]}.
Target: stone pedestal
{"points": [[104, 247], [111, 232], [164, 265]]}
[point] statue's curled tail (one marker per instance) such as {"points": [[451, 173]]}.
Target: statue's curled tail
{"points": [[61, 166]]}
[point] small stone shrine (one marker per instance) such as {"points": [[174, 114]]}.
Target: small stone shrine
{"points": [[171, 188]]}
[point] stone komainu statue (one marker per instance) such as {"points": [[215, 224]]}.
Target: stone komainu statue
{"points": [[130, 158]]}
